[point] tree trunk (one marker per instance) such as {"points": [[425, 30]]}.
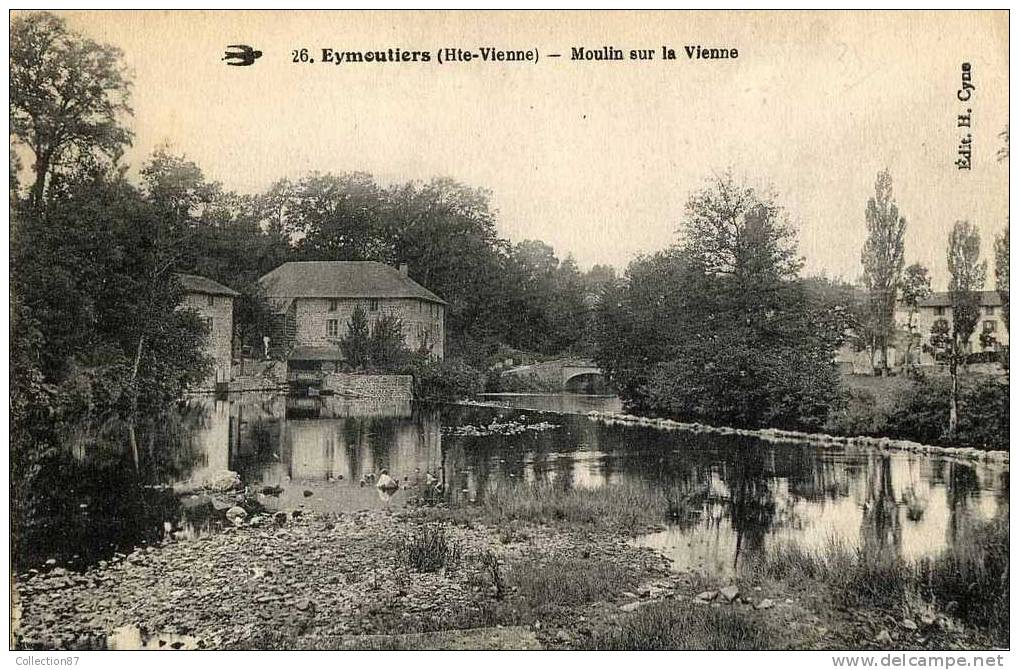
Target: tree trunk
{"points": [[132, 438], [41, 167], [953, 400], [908, 362]]}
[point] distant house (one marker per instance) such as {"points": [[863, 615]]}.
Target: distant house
{"points": [[316, 299], [938, 307], [214, 303]]}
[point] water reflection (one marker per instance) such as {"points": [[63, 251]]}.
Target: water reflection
{"points": [[739, 495]]}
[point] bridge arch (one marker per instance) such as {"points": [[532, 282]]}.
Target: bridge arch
{"points": [[585, 381]]}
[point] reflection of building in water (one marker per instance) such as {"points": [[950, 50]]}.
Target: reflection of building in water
{"points": [[250, 435], [210, 436], [363, 438]]}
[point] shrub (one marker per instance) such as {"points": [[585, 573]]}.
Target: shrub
{"points": [[920, 412], [445, 380], [857, 413], [496, 382], [983, 415]]}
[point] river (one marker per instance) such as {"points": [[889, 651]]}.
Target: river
{"points": [[744, 494]]}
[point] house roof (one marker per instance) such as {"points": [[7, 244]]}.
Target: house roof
{"points": [[342, 279], [199, 284], [944, 299]]}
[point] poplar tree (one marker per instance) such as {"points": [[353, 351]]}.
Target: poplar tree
{"points": [[883, 259], [967, 274]]}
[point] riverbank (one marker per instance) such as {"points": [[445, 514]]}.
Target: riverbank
{"points": [[430, 579]]}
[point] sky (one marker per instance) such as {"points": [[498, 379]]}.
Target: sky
{"points": [[597, 158]]}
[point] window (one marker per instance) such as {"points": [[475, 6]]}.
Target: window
{"points": [[333, 328], [989, 310], [212, 301], [334, 305], [373, 305], [939, 311], [990, 326]]}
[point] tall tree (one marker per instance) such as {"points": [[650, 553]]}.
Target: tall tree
{"points": [[68, 94], [916, 285], [733, 230], [1001, 270], [883, 259], [721, 329], [967, 275]]}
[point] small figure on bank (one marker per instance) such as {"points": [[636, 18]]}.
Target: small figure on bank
{"points": [[387, 483], [265, 345]]}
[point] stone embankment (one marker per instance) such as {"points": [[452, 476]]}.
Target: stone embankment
{"points": [[775, 435]]}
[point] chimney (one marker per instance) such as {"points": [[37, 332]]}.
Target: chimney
{"points": [[403, 269]]}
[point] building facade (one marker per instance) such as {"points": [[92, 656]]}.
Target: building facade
{"points": [[315, 301], [990, 334], [214, 304]]}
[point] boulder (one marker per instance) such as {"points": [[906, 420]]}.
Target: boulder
{"points": [[236, 515], [225, 480], [707, 596], [765, 604], [729, 593], [883, 637], [909, 624]]}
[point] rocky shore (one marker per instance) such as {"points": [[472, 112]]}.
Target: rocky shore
{"points": [[331, 577], [310, 581]]}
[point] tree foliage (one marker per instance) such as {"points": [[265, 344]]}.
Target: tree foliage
{"points": [[916, 286], [883, 260], [1001, 282], [721, 329], [967, 274], [356, 343], [68, 96]]}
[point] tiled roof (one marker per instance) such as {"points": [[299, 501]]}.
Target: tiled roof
{"points": [[342, 279], [199, 284], [944, 299]]}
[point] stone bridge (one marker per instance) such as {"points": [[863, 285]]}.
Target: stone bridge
{"points": [[564, 374]]}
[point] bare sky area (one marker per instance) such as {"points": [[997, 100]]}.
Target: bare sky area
{"points": [[596, 158]]}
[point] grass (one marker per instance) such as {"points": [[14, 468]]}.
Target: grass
{"points": [[567, 582], [681, 626], [974, 575], [428, 549], [853, 577], [968, 581], [632, 508]]}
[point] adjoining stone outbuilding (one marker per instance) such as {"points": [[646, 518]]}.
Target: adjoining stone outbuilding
{"points": [[316, 299], [214, 303]]}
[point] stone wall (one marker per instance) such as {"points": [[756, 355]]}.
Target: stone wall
{"points": [[218, 308], [369, 386], [423, 321]]}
